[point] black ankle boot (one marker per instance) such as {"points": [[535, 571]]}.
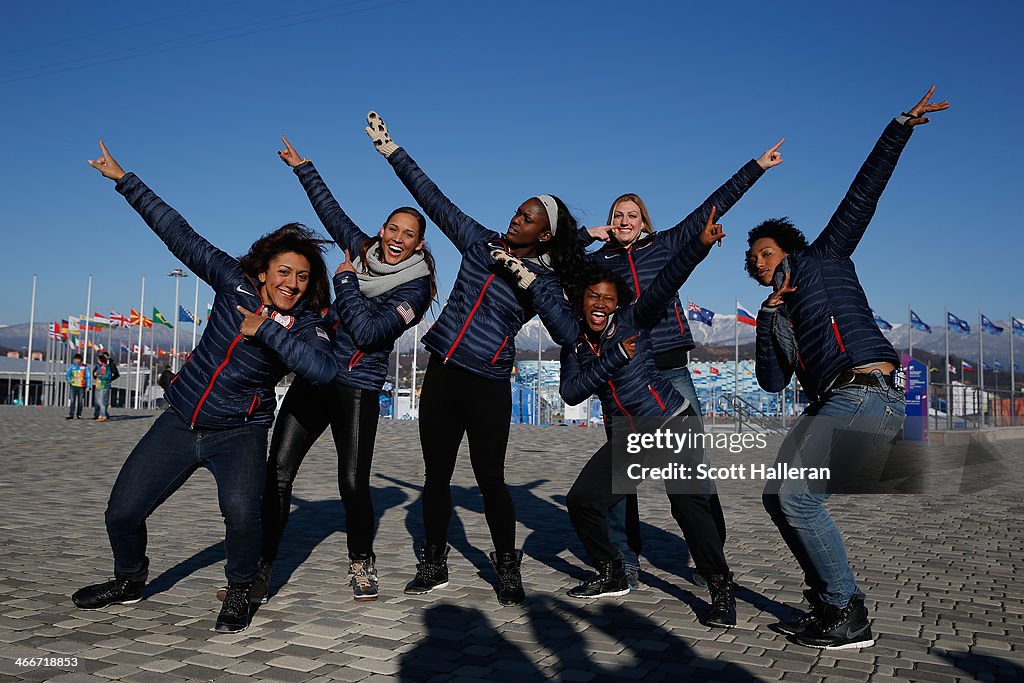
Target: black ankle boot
{"points": [[610, 582], [431, 572], [839, 628], [723, 601], [234, 613], [510, 579], [805, 622]]}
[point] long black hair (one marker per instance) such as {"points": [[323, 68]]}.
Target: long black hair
{"points": [[298, 238], [565, 249], [427, 256], [786, 235]]}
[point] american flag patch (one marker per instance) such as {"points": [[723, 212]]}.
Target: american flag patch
{"points": [[405, 310]]}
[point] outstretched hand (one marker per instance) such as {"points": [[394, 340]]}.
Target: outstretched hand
{"points": [[346, 265], [378, 132], [106, 165], [771, 158], [712, 231], [251, 321], [917, 113], [779, 292], [289, 155]]}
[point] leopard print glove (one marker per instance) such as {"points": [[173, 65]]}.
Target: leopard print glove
{"points": [[378, 132]]}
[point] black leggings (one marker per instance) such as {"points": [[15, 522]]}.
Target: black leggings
{"points": [[306, 412], [455, 402], [591, 496]]}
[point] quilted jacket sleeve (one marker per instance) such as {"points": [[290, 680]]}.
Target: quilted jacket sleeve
{"points": [[648, 309], [578, 382], [771, 374], [306, 351], [374, 324], [341, 228], [554, 310]]}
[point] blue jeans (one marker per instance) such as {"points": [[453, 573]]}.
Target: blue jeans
{"points": [[162, 462], [875, 413], [624, 524], [77, 395], [101, 399]]}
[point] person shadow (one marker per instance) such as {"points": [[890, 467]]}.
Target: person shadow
{"points": [[310, 523], [463, 639]]}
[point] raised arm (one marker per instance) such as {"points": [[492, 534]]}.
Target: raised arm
{"points": [[373, 325], [215, 267], [577, 383], [724, 198], [341, 228], [648, 309], [461, 229], [845, 229]]}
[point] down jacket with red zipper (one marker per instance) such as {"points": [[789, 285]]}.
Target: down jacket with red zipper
{"points": [[627, 387], [829, 312], [365, 328], [228, 381], [638, 263], [477, 327]]}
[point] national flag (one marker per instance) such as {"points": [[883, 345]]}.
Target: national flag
{"points": [[65, 330], [956, 324], [702, 315], [918, 324], [967, 366], [159, 318], [146, 351], [1018, 327], [999, 366], [75, 324], [135, 319], [695, 371], [714, 371], [124, 348], [185, 315], [55, 330], [209, 310], [160, 353], [882, 324], [147, 322], [118, 320], [405, 310], [743, 315], [989, 326], [952, 368], [101, 321], [135, 349]]}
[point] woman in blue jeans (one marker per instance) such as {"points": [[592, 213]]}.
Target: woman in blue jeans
{"points": [[265, 323], [817, 324]]}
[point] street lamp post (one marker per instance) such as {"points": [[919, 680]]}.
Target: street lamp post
{"points": [[177, 274]]}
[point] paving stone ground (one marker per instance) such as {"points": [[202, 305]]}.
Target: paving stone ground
{"points": [[941, 573]]}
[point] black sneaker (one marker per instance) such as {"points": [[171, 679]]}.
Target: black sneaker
{"points": [[609, 582], [806, 621], [723, 601], [234, 613], [113, 592], [431, 573], [260, 591], [843, 628], [510, 578]]}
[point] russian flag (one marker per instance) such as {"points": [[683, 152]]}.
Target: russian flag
{"points": [[966, 366], [743, 315]]}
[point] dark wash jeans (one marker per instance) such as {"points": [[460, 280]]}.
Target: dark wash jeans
{"points": [[162, 462]]}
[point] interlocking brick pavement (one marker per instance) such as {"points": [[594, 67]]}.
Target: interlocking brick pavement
{"points": [[940, 572]]}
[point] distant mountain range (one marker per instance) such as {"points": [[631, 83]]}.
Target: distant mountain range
{"points": [[721, 334]]}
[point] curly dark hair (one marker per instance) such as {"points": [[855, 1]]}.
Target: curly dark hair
{"points": [[786, 235], [298, 238], [427, 256], [591, 275], [565, 249]]}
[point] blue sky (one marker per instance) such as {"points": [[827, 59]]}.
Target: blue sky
{"points": [[499, 102]]}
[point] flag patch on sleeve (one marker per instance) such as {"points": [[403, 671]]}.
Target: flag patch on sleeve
{"points": [[321, 333], [405, 310]]}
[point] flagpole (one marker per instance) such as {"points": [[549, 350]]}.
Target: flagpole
{"points": [[195, 317], [949, 392], [142, 314], [910, 331], [981, 369], [412, 392], [539, 335], [177, 274], [31, 323], [394, 398], [736, 367], [88, 319], [1013, 407], [152, 357]]}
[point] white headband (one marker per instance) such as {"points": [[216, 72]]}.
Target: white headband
{"points": [[552, 208]]}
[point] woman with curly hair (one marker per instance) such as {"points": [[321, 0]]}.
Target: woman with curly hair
{"points": [[466, 390], [265, 323]]}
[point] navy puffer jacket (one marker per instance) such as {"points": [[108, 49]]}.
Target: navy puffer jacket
{"points": [[228, 381], [477, 327], [829, 312], [365, 329], [636, 387], [640, 262]]}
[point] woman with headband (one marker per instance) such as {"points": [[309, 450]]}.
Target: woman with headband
{"points": [[466, 389]]}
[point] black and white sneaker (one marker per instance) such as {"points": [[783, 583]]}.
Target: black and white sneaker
{"points": [[843, 628], [609, 582], [235, 612], [807, 621], [113, 592], [260, 591]]}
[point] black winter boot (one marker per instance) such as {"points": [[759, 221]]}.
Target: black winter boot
{"points": [[840, 628], [723, 601], [431, 573], [510, 580], [610, 581], [234, 613], [805, 622]]}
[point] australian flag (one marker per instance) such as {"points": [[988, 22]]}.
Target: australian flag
{"points": [[918, 324], [701, 315], [956, 324], [990, 327], [882, 323]]}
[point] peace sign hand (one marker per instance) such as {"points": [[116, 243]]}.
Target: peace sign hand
{"points": [[106, 165], [289, 155], [771, 158], [712, 231], [780, 291], [925, 107]]}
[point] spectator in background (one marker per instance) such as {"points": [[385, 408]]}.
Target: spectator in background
{"points": [[102, 375], [79, 378]]}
